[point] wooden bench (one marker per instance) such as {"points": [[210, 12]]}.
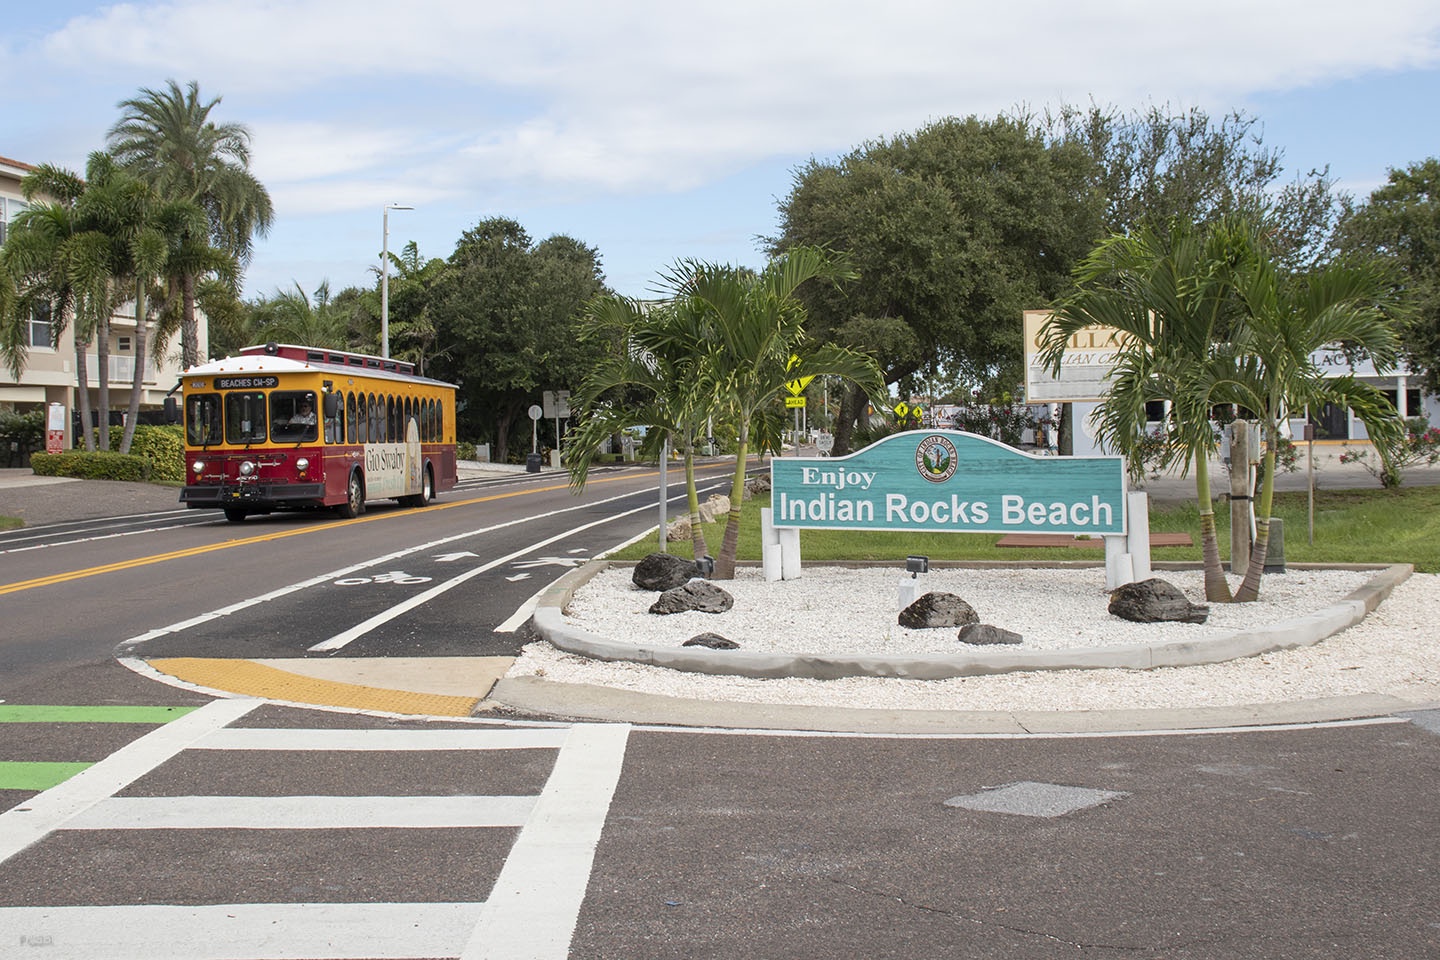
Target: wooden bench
{"points": [[1066, 540]]}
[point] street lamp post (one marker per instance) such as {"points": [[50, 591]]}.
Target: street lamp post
{"points": [[385, 276]]}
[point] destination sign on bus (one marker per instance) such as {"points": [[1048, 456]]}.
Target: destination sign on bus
{"points": [[246, 383]]}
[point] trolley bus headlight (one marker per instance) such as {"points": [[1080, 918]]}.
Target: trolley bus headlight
{"points": [[302, 464], [198, 467], [247, 468]]}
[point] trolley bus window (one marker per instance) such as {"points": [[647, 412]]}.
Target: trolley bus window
{"points": [[245, 417], [202, 419], [294, 416]]}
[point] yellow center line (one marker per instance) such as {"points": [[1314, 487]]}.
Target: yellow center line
{"points": [[264, 538]]}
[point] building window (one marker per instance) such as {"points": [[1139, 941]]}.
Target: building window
{"points": [[10, 208], [122, 344], [42, 333]]}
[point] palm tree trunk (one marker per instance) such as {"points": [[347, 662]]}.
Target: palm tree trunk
{"points": [[82, 376], [1250, 587], [730, 544], [102, 360], [697, 535], [137, 379], [1217, 588], [189, 327]]}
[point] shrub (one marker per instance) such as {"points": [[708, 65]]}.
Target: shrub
{"points": [[88, 465], [1419, 444], [464, 450], [20, 435], [163, 446]]}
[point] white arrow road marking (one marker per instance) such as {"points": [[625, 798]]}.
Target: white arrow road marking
{"points": [[452, 557], [518, 577], [550, 562], [359, 630]]}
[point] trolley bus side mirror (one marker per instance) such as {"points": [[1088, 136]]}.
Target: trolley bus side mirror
{"points": [[332, 406], [172, 410]]}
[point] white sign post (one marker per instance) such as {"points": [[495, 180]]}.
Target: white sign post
{"points": [[535, 414]]}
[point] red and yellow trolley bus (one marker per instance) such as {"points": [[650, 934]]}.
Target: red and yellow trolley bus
{"points": [[287, 427]]}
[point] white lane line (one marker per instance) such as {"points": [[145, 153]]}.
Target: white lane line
{"points": [[535, 903], [48, 811], [239, 931], [302, 813], [80, 540], [353, 568], [340, 640], [527, 609], [260, 738]]}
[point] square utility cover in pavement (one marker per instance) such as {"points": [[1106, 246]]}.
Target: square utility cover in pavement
{"points": [[1029, 799]]}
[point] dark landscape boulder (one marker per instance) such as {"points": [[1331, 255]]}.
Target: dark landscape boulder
{"points": [[700, 595], [938, 610], [984, 633], [1155, 601], [663, 571], [712, 640]]}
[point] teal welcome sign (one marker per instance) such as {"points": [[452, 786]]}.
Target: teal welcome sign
{"points": [[948, 480]]}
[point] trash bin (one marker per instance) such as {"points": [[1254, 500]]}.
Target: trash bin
{"points": [[532, 463]]}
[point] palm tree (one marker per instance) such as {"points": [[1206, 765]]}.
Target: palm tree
{"points": [[1287, 320], [1169, 296], [292, 316], [754, 326], [167, 136], [659, 359], [58, 256]]}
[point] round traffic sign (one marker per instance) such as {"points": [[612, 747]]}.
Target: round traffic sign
{"points": [[535, 412]]}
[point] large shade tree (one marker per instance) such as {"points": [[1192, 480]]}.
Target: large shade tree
{"points": [[509, 312], [1401, 223], [168, 137], [953, 231]]}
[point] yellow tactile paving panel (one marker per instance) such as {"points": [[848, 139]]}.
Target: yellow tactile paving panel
{"points": [[256, 680]]}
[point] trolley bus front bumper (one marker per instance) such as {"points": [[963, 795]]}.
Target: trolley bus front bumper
{"points": [[257, 495]]}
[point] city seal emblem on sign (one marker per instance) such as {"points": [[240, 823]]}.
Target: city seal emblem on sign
{"points": [[935, 459]]}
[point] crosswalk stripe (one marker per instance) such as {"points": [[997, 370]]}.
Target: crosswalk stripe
{"points": [[240, 931], [301, 813], [470, 738], [535, 903]]}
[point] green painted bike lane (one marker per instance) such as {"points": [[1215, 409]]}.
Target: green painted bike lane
{"points": [[33, 776]]}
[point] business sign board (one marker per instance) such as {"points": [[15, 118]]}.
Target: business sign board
{"points": [[949, 481], [1089, 357]]}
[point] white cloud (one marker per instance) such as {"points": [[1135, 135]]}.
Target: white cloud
{"points": [[645, 94]]}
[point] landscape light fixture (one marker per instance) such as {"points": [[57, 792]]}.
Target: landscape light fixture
{"points": [[385, 276], [705, 565], [917, 565]]}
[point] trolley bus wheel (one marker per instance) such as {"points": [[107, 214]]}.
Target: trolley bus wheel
{"points": [[354, 504], [235, 514], [427, 491]]}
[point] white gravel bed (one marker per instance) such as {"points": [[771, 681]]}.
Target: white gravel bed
{"points": [[832, 610], [1395, 650]]}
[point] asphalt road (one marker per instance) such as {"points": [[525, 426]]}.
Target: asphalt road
{"points": [[194, 828]]}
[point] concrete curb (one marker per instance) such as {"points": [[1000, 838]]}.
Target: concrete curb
{"points": [[1298, 632], [535, 696]]}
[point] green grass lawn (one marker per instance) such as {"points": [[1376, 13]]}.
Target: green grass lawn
{"points": [[1351, 526]]}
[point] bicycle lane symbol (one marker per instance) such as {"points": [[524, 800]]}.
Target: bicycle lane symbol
{"points": [[393, 576]]}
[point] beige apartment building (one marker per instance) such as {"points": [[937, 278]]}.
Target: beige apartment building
{"points": [[49, 375]]}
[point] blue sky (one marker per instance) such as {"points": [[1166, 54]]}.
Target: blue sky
{"points": [[656, 131]]}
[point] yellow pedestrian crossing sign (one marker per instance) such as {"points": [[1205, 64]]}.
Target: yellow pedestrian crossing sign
{"points": [[798, 385]]}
